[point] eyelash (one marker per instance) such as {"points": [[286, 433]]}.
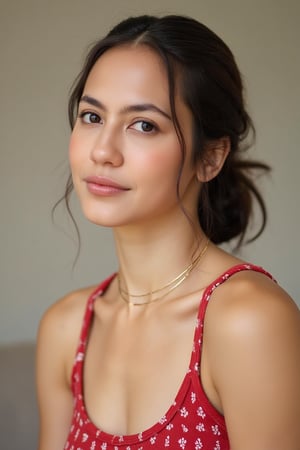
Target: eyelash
{"points": [[82, 115], [88, 113], [147, 122]]}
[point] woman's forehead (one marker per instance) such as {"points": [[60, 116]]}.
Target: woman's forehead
{"points": [[129, 74]]}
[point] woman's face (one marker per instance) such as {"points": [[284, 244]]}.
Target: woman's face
{"points": [[124, 151]]}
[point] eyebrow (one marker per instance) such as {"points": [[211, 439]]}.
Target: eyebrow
{"points": [[140, 107]]}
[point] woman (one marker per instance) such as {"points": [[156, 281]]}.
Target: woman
{"points": [[186, 346]]}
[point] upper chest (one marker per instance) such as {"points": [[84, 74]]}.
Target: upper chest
{"points": [[136, 362]]}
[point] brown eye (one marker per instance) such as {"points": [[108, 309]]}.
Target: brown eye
{"points": [[144, 126], [89, 117]]}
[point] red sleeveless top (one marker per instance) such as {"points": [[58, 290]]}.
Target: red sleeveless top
{"points": [[191, 422]]}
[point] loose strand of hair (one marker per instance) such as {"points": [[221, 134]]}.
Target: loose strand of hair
{"points": [[65, 198]]}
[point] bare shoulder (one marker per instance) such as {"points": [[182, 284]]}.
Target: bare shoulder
{"points": [[252, 335], [66, 313], [251, 302], [60, 326], [251, 308]]}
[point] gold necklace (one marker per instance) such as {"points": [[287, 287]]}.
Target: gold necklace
{"points": [[173, 284]]}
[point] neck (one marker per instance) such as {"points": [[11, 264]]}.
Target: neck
{"points": [[151, 256]]}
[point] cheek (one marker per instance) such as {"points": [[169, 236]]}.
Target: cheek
{"points": [[74, 150], [161, 161], [72, 143]]}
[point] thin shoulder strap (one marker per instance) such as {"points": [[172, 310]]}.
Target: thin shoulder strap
{"points": [[84, 334], [198, 336]]}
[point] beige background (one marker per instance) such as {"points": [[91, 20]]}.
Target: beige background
{"points": [[42, 48]]}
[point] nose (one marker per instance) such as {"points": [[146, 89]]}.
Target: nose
{"points": [[106, 148]]}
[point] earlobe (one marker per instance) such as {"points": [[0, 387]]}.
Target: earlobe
{"points": [[215, 155]]}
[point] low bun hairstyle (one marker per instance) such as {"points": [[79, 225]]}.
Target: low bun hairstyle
{"points": [[211, 86]]}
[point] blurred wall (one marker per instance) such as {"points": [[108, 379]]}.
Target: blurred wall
{"points": [[43, 43]]}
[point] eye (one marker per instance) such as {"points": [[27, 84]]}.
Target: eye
{"points": [[144, 126], [90, 117]]}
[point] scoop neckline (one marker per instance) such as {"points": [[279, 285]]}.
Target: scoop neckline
{"points": [[148, 432], [171, 411]]}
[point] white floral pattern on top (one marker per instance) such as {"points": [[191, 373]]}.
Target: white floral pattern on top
{"points": [[191, 423]]}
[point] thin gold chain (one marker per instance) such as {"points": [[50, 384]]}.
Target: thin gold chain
{"points": [[173, 284]]}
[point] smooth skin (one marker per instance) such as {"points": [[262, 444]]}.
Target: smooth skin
{"points": [[250, 368]]}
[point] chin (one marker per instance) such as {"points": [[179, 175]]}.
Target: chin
{"points": [[102, 218]]}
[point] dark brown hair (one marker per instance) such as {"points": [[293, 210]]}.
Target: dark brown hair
{"points": [[212, 88]]}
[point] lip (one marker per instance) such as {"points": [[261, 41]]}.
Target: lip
{"points": [[104, 186]]}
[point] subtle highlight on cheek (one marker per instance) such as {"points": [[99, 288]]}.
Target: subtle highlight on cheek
{"points": [[74, 146], [75, 161]]}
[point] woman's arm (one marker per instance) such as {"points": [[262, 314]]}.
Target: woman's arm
{"points": [[56, 345], [254, 356]]}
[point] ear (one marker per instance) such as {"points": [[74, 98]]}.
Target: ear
{"points": [[215, 155]]}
